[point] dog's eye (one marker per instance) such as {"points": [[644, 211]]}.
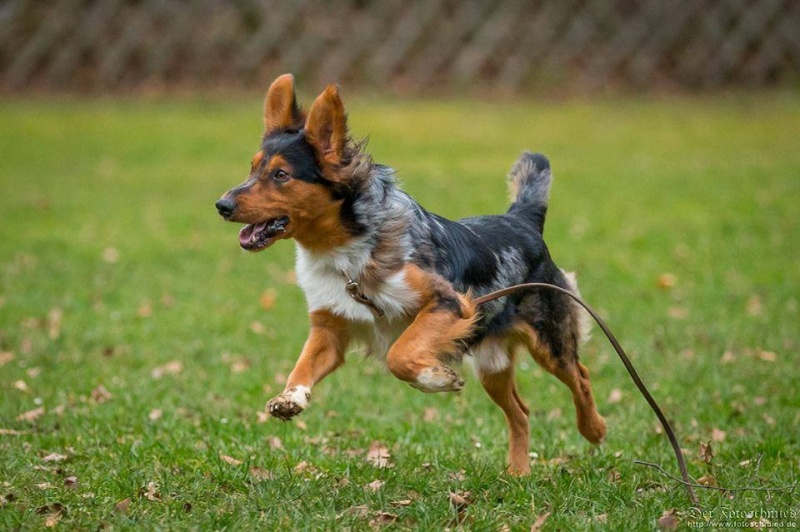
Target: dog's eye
{"points": [[280, 176]]}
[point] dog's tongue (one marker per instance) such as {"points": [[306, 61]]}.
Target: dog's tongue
{"points": [[249, 233]]}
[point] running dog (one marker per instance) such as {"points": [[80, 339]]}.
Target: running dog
{"points": [[379, 270]]}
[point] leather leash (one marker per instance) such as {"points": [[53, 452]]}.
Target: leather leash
{"points": [[673, 440]]}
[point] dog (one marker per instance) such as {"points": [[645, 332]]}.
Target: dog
{"points": [[379, 270]]}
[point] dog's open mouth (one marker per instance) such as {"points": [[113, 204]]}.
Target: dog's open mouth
{"points": [[255, 237]]}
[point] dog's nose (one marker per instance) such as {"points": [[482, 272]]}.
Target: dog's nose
{"points": [[225, 207]]}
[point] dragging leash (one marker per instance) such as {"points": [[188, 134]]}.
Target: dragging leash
{"points": [[673, 440]]}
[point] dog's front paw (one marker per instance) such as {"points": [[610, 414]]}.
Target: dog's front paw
{"points": [[438, 379], [289, 403]]}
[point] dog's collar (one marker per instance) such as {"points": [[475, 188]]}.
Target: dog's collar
{"points": [[354, 290]]}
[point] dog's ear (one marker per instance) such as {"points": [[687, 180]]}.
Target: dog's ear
{"points": [[280, 105], [326, 126]]}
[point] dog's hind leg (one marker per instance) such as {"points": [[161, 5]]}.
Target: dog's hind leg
{"points": [[322, 353], [501, 388], [575, 375]]}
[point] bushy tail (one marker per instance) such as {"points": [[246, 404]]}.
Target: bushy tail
{"points": [[529, 186]]}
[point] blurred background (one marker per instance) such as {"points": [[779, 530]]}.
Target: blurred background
{"points": [[414, 46]]}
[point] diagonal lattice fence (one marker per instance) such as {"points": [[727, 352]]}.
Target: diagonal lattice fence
{"points": [[510, 45]]}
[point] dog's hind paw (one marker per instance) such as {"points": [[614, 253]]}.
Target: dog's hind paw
{"points": [[438, 379], [289, 403]]}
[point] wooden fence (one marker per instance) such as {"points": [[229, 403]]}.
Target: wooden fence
{"points": [[509, 45]]}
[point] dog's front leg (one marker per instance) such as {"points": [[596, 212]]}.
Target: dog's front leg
{"points": [[322, 353]]}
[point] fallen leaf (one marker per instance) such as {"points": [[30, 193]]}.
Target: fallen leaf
{"points": [[240, 366], [258, 327], [155, 414], [554, 414], [6, 357], [21, 386], [305, 467], [55, 457], [718, 435], [268, 298], [767, 356], [145, 310], [262, 417], [361, 510], [666, 281], [668, 520], [430, 414], [230, 460], [537, 525], [151, 493], [275, 443], [378, 455], [615, 396], [71, 482], [100, 395], [769, 420], [727, 357], [760, 400], [12, 432], [382, 519], [707, 480], [123, 506], [460, 500], [401, 503], [54, 318], [44, 485], [458, 476], [33, 372], [300, 424], [613, 475], [754, 306], [110, 255], [170, 368], [31, 415], [375, 485], [678, 313], [260, 474], [706, 452]]}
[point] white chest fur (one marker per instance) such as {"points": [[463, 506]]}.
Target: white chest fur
{"points": [[323, 278]]}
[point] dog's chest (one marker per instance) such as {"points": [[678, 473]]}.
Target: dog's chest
{"points": [[324, 277]]}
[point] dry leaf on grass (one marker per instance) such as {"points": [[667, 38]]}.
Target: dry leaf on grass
{"points": [[55, 457], [230, 460], [110, 255], [666, 281], [668, 520], [615, 396], [767, 356], [430, 414], [537, 525], [155, 414], [718, 435], [260, 474], [170, 368], [123, 506], [268, 298], [460, 500], [6, 357], [21, 385], [12, 432], [100, 395], [707, 480], [375, 485], [31, 415], [706, 452], [71, 482], [151, 492], [382, 519], [378, 455], [275, 443]]}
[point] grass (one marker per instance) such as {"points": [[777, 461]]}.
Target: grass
{"points": [[151, 342]]}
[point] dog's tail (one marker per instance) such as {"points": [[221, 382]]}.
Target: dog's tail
{"points": [[529, 186]]}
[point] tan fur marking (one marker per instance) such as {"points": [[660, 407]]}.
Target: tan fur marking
{"points": [[501, 388], [323, 352], [257, 158], [575, 375], [434, 332]]}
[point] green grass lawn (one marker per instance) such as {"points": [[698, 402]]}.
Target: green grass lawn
{"points": [[139, 343]]}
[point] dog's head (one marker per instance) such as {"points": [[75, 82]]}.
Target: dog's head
{"points": [[299, 178]]}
